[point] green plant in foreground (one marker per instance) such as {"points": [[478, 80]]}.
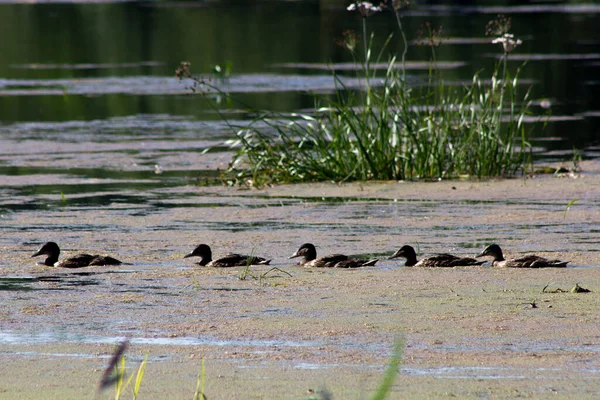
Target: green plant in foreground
{"points": [[117, 365], [199, 394], [391, 371], [116, 373], [389, 376], [121, 386]]}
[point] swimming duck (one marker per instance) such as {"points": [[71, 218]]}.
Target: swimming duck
{"points": [[309, 259], [231, 260], [440, 260], [52, 250], [531, 261]]}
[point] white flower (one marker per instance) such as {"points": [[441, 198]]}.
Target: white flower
{"points": [[365, 8], [508, 42]]}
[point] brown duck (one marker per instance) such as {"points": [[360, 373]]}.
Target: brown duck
{"points": [[231, 260], [440, 260], [530, 261], [52, 250], [308, 252]]}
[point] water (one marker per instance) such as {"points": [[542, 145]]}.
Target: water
{"points": [[95, 107], [118, 59], [103, 150]]}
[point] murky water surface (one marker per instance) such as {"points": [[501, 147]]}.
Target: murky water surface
{"points": [[105, 151]]}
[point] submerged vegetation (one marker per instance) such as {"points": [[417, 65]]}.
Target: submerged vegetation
{"points": [[391, 130]]}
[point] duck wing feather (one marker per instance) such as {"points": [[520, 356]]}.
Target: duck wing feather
{"points": [[104, 260], [238, 260], [533, 261], [356, 263], [448, 261], [78, 261], [327, 262]]}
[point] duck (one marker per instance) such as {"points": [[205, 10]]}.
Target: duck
{"points": [[52, 250], [308, 252], [530, 261], [231, 260], [440, 260]]}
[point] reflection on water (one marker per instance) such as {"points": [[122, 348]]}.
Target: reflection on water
{"points": [[102, 113], [62, 337], [66, 281], [120, 57], [144, 86]]}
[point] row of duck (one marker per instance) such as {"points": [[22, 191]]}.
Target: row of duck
{"points": [[308, 257]]}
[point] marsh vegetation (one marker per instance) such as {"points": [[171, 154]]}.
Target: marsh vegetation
{"points": [[392, 128]]}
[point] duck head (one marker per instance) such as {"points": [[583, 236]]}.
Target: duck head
{"points": [[203, 251], [51, 250], [492, 250], [407, 252], [307, 251]]}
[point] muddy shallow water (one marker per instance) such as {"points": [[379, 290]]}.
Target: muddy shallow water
{"points": [[468, 332], [103, 150]]}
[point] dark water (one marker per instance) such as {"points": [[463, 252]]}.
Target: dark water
{"points": [[92, 115], [66, 62]]}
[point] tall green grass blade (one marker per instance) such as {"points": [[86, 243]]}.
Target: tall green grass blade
{"points": [[139, 377], [199, 394], [391, 371], [569, 204], [119, 387]]}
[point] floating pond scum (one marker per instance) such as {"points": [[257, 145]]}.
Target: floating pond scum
{"points": [[104, 151]]}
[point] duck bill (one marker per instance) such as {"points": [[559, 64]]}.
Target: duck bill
{"points": [[482, 254], [294, 256], [396, 255], [189, 255], [37, 253]]}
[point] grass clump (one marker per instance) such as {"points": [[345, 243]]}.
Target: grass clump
{"points": [[121, 384], [116, 375], [390, 129]]}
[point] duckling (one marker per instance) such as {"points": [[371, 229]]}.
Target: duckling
{"points": [[530, 261], [231, 260], [441, 260], [309, 259], [52, 250]]}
